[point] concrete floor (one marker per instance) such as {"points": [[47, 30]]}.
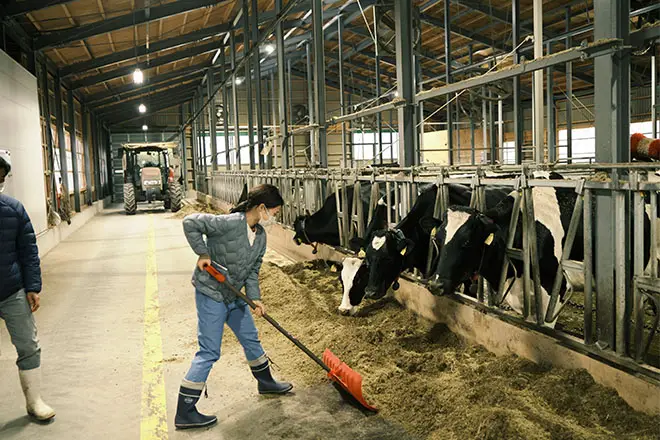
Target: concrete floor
{"points": [[92, 326]]}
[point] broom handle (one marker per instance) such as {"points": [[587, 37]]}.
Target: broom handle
{"points": [[267, 317]]}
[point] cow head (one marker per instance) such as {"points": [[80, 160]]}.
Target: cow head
{"points": [[300, 236], [354, 277], [385, 257], [464, 238]]}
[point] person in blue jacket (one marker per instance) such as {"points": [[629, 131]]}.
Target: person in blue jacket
{"points": [[237, 241], [20, 285]]}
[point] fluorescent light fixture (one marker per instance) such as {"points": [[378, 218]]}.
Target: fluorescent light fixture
{"points": [[396, 93], [145, 127], [239, 80], [269, 48], [142, 108], [138, 76], [215, 57]]}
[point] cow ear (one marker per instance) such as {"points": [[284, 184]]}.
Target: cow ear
{"points": [[428, 224], [489, 223]]}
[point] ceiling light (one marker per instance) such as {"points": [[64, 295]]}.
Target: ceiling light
{"points": [[145, 128], [269, 48], [142, 108], [138, 76], [238, 81]]}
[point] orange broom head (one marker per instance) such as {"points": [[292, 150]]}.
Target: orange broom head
{"points": [[348, 379]]}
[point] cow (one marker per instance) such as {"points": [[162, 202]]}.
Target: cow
{"points": [[322, 226], [391, 251], [474, 243]]}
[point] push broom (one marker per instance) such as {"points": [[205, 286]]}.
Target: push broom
{"points": [[337, 370]]}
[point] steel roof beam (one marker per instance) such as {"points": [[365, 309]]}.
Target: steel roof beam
{"points": [[63, 37], [25, 7], [164, 105], [131, 106]]}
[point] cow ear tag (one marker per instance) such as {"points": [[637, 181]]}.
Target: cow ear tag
{"points": [[489, 239], [403, 251], [333, 268], [362, 253], [434, 231]]}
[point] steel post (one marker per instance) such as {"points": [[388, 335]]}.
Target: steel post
{"points": [[472, 125], [450, 124], [74, 150], [292, 137], [248, 82], [569, 93], [612, 109], [342, 100], [310, 100], [213, 119], [86, 155], [257, 85], [538, 83], [184, 148], [406, 81], [282, 92], [518, 121], [234, 100], [550, 103], [203, 168], [484, 123], [654, 94], [194, 142], [319, 80], [49, 133], [273, 121], [61, 140], [226, 109], [379, 116], [492, 134]]}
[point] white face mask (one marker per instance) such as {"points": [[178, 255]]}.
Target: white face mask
{"points": [[267, 219], [2, 187]]}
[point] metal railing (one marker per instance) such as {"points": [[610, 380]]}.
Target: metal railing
{"points": [[306, 191]]}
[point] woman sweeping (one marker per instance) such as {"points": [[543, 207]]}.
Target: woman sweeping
{"points": [[238, 242]]}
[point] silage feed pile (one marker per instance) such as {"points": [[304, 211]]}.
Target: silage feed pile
{"points": [[196, 208], [426, 379]]}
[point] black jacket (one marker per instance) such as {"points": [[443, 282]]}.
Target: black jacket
{"points": [[19, 255]]}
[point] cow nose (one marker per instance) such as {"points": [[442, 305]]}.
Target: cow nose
{"points": [[369, 293]]}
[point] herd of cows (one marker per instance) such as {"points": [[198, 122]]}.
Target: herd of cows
{"points": [[465, 243]]}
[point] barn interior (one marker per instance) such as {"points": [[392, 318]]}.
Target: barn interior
{"points": [[123, 117]]}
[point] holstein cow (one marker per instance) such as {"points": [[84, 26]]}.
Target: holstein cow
{"points": [[322, 226], [474, 243], [391, 251]]}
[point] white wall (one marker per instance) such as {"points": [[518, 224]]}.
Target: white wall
{"points": [[20, 133]]}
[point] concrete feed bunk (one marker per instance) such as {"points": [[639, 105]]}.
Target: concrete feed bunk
{"points": [[426, 379]]}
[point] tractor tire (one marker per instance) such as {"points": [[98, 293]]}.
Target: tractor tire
{"points": [[130, 203], [176, 197]]}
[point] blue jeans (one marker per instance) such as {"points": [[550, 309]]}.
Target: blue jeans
{"points": [[16, 313], [212, 316]]}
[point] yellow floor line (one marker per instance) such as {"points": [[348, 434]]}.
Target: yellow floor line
{"points": [[154, 406]]}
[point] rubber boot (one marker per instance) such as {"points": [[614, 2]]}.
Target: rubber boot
{"points": [[187, 415], [31, 384], [266, 383]]}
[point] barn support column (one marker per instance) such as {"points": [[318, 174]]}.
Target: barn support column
{"points": [[538, 83], [319, 80], [248, 83], [61, 140], [654, 93], [518, 121], [281, 92], [550, 103], [612, 246], [450, 122], [49, 134], [195, 142], [257, 85], [213, 120], [405, 76], [472, 125], [74, 150], [272, 157], [234, 100], [225, 108], [202, 153], [294, 122], [310, 100], [569, 92], [86, 156], [184, 152], [342, 97]]}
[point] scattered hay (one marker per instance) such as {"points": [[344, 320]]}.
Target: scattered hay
{"points": [[430, 381], [194, 207]]}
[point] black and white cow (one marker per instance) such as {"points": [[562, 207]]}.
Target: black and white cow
{"points": [[391, 251], [322, 226], [474, 242]]}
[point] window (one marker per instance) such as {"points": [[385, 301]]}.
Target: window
{"points": [[584, 144], [509, 153], [221, 158], [365, 143]]}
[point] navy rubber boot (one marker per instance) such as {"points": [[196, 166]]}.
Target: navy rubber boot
{"points": [[187, 415], [266, 383]]}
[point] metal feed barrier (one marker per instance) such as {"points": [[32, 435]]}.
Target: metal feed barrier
{"points": [[304, 191]]}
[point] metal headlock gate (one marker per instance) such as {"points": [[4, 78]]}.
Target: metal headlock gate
{"points": [[305, 191]]}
